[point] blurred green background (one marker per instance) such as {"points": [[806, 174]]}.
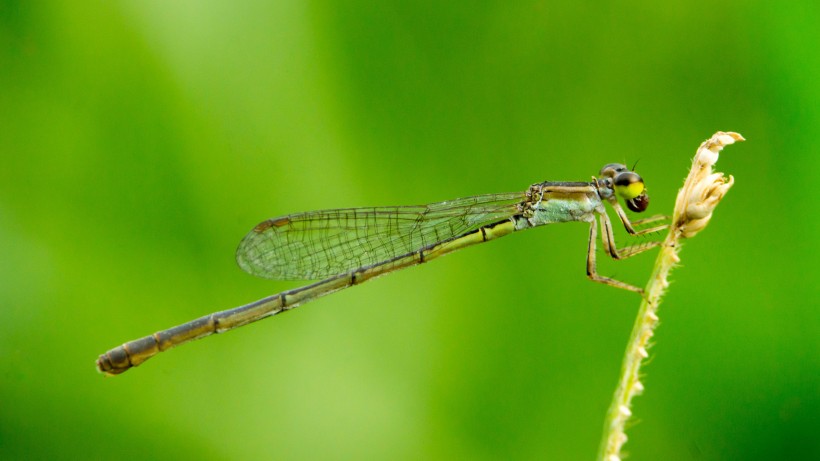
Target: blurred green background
{"points": [[141, 140]]}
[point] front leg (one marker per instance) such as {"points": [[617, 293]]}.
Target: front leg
{"points": [[608, 238], [629, 225]]}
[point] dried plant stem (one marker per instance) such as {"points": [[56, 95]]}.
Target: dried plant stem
{"points": [[701, 192]]}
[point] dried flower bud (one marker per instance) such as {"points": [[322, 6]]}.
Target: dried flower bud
{"points": [[703, 190]]}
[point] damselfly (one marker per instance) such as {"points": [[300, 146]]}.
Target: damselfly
{"points": [[348, 246]]}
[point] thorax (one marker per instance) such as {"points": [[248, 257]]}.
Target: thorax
{"points": [[554, 202]]}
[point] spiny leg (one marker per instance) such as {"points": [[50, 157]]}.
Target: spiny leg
{"points": [[642, 221], [592, 272], [608, 239], [629, 225], [632, 250]]}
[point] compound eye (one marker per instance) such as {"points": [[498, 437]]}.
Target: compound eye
{"points": [[628, 185], [612, 169]]}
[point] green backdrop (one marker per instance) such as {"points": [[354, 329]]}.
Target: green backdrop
{"points": [[140, 140]]}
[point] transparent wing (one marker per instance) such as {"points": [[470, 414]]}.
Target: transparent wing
{"points": [[319, 244]]}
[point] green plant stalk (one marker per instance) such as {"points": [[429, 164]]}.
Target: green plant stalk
{"points": [[701, 192]]}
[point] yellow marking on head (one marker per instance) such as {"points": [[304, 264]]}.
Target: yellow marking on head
{"points": [[631, 190]]}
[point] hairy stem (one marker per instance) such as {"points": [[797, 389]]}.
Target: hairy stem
{"points": [[701, 192]]}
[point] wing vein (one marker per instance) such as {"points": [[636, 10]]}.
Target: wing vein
{"points": [[319, 244]]}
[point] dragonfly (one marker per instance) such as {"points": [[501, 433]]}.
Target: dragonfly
{"points": [[349, 246]]}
